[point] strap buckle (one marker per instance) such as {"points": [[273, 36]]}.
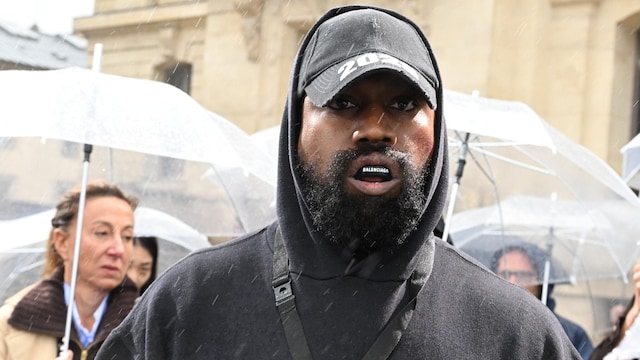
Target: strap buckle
{"points": [[283, 292]]}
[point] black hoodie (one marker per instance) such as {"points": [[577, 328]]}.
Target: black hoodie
{"points": [[219, 303]]}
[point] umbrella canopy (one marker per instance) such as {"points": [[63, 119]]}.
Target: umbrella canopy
{"points": [[149, 117], [573, 233], [631, 162], [267, 140], [149, 137], [542, 162], [511, 121], [22, 256], [580, 263], [146, 116]]}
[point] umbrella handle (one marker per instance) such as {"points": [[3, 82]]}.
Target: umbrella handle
{"points": [[545, 282], [76, 251], [88, 148], [462, 160]]}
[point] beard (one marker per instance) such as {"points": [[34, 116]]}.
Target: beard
{"points": [[360, 223]]}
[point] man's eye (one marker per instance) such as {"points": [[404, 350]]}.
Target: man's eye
{"points": [[102, 233], [341, 103], [404, 104]]}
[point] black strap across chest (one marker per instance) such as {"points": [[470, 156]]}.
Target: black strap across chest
{"points": [[285, 302]]}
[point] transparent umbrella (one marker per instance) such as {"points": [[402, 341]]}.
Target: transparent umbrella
{"points": [[580, 265], [574, 233], [144, 132], [267, 140], [499, 163], [148, 136]]}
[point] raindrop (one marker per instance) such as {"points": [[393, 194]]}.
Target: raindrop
{"points": [[328, 307], [152, 13]]}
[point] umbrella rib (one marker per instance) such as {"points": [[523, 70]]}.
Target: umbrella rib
{"points": [[511, 161]]}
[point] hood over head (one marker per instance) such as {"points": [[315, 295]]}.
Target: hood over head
{"points": [[346, 43], [345, 47]]}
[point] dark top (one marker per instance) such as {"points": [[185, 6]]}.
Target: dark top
{"points": [[219, 302]]}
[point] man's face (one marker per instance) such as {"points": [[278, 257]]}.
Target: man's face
{"points": [[518, 269], [364, 158]]}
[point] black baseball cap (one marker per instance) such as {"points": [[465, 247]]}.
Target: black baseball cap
{"points": [[351, 44]]}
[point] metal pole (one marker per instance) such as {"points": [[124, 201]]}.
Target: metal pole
{"points": [[462, 160], [76, 250], [64, 348]]}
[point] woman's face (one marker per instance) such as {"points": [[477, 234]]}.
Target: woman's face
{"points": [[106, 244], [141, 264]]}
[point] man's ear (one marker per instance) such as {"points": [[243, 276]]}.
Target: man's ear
{"points": [[61, 242]]}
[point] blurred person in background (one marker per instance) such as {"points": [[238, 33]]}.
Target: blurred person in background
{"points": [[523, 265], [626, 329], [32, 322], [144, 262]]}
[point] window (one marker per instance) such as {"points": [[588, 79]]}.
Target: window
{"points": [[178, 75]]}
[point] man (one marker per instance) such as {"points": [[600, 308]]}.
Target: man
{"points": [[350, 270], [523, 264]]}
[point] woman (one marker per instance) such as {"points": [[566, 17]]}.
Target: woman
{"points": [[32, 322], [607, 349], [144, 262]]}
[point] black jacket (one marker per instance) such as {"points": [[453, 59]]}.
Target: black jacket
{"points": [[219, 303]]}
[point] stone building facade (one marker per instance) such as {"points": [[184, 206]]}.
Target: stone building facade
{"points": [[575, 62]]}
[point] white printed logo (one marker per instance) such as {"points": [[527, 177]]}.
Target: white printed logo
{"points": [[372, 58]]}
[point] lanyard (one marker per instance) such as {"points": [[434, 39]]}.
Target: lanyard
{"points": [[285, 302]]}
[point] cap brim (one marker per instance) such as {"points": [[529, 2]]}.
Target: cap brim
{"points": [[334, 79]]}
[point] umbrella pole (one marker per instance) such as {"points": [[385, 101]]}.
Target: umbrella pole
{"points": [[462, 160], [545, 281], [76, 250]]}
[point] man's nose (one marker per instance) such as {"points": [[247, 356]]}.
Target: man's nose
{"points": [[375, 126]]}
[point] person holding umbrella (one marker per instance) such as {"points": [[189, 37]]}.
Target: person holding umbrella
{"points": [[32, 322], [522, 264], [351, 268]]}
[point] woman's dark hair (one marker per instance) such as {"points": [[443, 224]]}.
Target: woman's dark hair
{"points": [[67, 211], [150, 243]]}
